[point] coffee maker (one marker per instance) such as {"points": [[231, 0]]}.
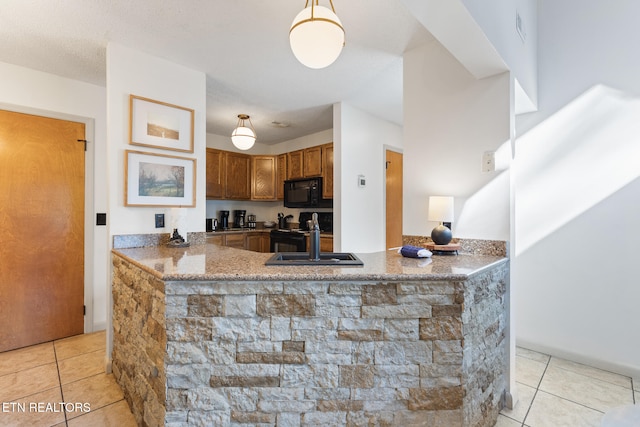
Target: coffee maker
{"points": [[238, 218], [224, 220]]}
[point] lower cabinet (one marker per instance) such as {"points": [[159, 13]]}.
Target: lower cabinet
{"points": [[253, 241], [326, 243]]}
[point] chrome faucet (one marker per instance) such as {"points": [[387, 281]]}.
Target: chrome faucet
{"points": [[314, 235]]}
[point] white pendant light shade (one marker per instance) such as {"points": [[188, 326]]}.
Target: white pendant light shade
{"points": [[316, 36], [243, 137]]}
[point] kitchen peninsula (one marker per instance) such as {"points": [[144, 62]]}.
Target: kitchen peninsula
{"points": [[209, 335]]}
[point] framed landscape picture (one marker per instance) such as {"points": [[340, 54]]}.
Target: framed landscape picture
{"points": [[159, 180], [160, 125]]}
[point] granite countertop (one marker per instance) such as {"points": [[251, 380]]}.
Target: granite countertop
{"points": [[212, 262]]}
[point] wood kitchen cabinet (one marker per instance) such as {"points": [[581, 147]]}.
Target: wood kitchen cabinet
{"points": [[281, 175], [327, 171], [237, 176], [258, 242], [235, 240], [215, 174], [295, 164], [326, 243], [263, 178], [312, 159]]}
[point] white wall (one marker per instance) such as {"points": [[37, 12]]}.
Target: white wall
{"points": [[359, 147], [497, 18], [450, 119], [35, 92], [133, 72], [577, 166]]}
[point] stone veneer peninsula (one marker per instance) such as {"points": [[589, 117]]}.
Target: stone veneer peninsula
{"points": [[210, 336]]}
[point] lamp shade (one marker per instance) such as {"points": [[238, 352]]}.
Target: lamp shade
{"points": [[440, 209], [243, 137], [316, 36]]}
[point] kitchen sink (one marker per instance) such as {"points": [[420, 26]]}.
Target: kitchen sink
{"points": [[326, 258]]}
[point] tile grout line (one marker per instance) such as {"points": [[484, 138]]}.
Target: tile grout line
{"points": [[55, 355], [537, 389]]}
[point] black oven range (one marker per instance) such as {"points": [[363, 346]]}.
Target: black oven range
{"points": [[286, 240]]}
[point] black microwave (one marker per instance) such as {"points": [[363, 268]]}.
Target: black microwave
{"points": [[305, 193]]}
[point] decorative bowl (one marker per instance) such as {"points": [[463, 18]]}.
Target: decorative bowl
{"points": [[269, 224]]}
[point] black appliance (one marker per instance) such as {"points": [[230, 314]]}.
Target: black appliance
{"points": [[238, 218], [325, 221], [287, 241], [224, 220], [305, 193]]}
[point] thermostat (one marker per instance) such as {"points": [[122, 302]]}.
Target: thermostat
{"points": [[361, 181]]}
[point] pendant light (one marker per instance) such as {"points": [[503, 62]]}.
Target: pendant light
{"points": [[243, 137], [316, 35]]}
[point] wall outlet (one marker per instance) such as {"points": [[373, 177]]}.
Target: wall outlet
{"points": [[159, 220], [489, 161]]}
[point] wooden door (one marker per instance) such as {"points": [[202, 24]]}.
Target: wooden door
{"points": [[41, 229], [394, 199]]}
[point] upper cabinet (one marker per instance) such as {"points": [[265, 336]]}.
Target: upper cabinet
{"points": [[327, 171], [305, 163], [281, 175], [295, 164], [312, 162], [239, 176], [215, 174], [263, 178]]}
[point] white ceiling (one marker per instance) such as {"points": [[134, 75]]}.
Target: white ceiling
{"points": [[241, 45]]}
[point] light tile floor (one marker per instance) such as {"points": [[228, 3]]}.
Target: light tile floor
{"points": [[62, 384], [555, 392]]}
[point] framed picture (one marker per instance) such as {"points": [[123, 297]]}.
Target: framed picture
{"points": [[160, 125], [159, 180]]}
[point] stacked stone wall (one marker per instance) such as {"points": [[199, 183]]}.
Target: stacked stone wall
{"points": [[339, 354], [411, 353], [139, 341]]}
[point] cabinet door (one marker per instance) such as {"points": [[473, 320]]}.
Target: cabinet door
{"points": [[266, 242], [326, 243], [295, 164], [312, 161], [215, 174], [327, 171], [216, 240], [237, 176], [281, 175], [263, 178], [234, 240], [254, 242]]}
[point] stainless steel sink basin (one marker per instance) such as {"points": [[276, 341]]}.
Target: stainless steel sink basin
{"points": [[326, 258]]}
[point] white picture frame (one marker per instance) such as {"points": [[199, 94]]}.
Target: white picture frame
{"points": [[160, 125], [159, 180]]}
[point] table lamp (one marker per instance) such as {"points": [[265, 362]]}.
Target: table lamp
{"points": [[441, 210]]}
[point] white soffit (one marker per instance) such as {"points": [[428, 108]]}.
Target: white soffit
{"points": [[453, 26]]}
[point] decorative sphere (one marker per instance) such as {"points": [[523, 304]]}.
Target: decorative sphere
{"points": [[243, 138], [316, 43], [441, 235]]}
